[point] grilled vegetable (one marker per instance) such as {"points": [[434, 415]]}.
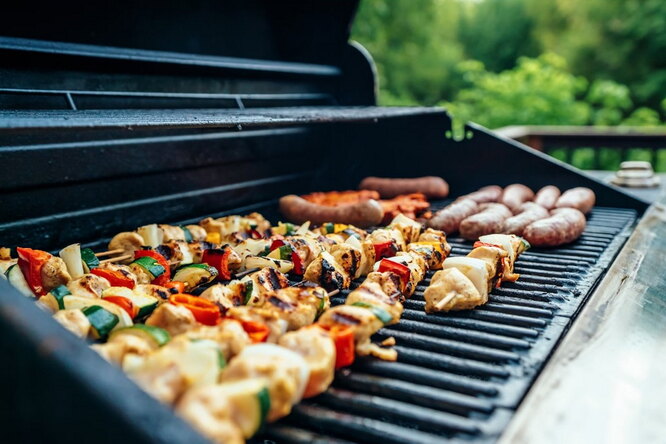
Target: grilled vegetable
{"points": [[89, 259], [155, 335], [250, 403], [144, 304], [219, 259], [55, 299], [30, 263], [115, 278], [163, 275], [379, 312], [151, 234], [76, 302], [101, 320], [72, 257], [343, 337], [16, 278], [193, 275], [262, 262], [204, 311]]}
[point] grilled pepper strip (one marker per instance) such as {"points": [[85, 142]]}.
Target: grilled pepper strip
{"points": [[31, 262], [204, 311], [218, 258], [115, 278], [257, 331], [394, 267], [287, 253], [160, 278], [386, 249], [343, 338]]}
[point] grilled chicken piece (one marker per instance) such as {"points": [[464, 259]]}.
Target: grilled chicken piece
{"points": [[54, 273], [287, 374], [513, 245], [349, 258], [389, 283], [173, 318], [121, 345], [211, 413], [368, 257], [417, 268], [179, 365], [299, 306], [263, 281], [383, 235], [493, 256], [318, 350], [127, 241], [371, 293], [229, 335], [277, 325], [177, 233], [364, 322], [307, 249], [226, 296], [123, 269], [328, 273], [6, 260], [157, 291], [141, 274], [88, 286], [409, 228], [432, 256], [258, 221], [450, 289], [74, 321], [432, 235]]}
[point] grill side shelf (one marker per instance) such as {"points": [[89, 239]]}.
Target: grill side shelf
{"points": [[461, 375]]}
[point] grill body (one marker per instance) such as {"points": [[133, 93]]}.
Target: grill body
{"points": [[151, 119]]}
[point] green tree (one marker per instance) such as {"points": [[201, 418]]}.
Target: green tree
{"points": [[497, 33]]}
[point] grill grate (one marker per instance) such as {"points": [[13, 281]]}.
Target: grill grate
{"points": [[461, 375]]}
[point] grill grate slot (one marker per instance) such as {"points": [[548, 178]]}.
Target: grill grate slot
{"points": [[460, 375]]}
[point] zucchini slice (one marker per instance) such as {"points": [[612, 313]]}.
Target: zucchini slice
{"points": [[101, 320], [156, 335], [55, 299], [89, 259], [151, 265], [145, 303], [193, 275], [78, 302], [251, 402], [16, 278]]}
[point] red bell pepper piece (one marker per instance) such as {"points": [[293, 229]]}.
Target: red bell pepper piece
{"points": [[254, 234], [115, 278], [257, 331], [295, 258], [385, 249], [218, 258], [31, 262], [343, 338], [124, 303], [394, 267], [478, 244], [162, 278], [203, 310], [175, 286]]}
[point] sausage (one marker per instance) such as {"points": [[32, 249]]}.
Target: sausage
{"points": [[448, 218], [515, 195], [547, 196], [489, 220], [564, 226], [361, 214], [580, 198], [531, 212], [432, 186], [490, 193]]}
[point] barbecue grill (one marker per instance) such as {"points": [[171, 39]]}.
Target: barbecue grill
{"points": [[120, 116]]}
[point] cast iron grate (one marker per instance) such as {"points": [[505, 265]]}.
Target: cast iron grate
{"points": [[460, 376]]}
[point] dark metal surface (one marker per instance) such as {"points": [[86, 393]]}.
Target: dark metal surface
{"points": [[461, 375]]}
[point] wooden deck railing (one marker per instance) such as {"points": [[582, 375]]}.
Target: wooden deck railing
{"points": [[567, 139]]}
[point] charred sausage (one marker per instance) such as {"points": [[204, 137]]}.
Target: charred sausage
{"points": [[432, 186], [491, 193], [580, 198], [489, 220], [547, 196], [515, 195], [362, 214], [531, 212], [448, 218], [564, 226]]}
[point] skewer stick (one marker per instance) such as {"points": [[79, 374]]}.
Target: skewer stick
{"points": [[117, 258], [110, 252], [246, 272], [333, 293]]}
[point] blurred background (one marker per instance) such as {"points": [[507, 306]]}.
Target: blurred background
{"points": [[594, 63]]}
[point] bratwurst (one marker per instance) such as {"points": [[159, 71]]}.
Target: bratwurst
{"points": [[580, 198], [491, 193], [547, 196], [448, 218], [515, 195], [362, 214], [530, 212], [432, 186], [489, 220], [564, 226]]}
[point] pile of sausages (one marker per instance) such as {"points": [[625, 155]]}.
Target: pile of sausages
{"points": [[545, 219]]}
